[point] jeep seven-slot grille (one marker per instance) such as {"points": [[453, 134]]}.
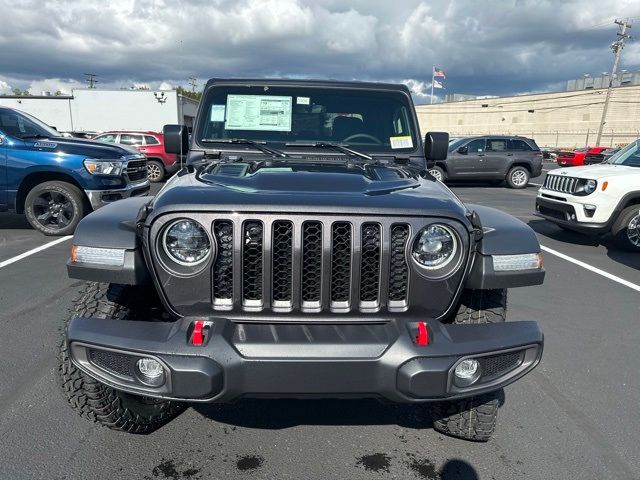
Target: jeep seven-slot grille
{"points": [[310, 265], [560, 183]]}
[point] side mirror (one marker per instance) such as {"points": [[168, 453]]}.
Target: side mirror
{"points": [[463, 150], [176, 139], [436, 146]]}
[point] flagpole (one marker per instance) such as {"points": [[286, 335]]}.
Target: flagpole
{"points": [[433, 76]]}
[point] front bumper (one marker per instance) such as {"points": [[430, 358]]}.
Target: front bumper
{"points": [[99, 198], [569, 214], [304, 360]]}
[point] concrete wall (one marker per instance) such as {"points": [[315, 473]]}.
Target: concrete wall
{"points": [[101, 110], [563, 119]]}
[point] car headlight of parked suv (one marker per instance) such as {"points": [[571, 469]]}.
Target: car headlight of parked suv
{"points": [[586, 187], [186, 242], [112, 168]]}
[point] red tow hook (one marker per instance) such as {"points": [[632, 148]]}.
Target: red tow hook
{"points": [[197, 338], [423, 334]]}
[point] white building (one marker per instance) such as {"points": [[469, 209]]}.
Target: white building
{"points": [[93, 110]]}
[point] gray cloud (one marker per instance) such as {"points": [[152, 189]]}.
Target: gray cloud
{"points": [[497, 47]]}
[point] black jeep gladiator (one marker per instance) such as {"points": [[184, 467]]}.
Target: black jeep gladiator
{"points": [[303, 252]]}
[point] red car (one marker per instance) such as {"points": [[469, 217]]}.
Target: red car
{"points": [[576, 158], [151, 144]]}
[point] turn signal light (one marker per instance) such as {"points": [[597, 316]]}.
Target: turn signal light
{"points": [[604, 185]]}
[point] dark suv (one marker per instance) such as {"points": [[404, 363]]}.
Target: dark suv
{"points": [[511, 159], [303, 252]]}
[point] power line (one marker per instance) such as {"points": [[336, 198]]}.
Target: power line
{"points": [[91, 79], [617, 47], [193, 83]]}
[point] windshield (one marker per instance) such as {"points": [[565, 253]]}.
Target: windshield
{"points": [[629, 155], [374, 121], [21, 125]]}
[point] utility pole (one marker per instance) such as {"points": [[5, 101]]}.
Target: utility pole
{"points": [[192, 82], [617, 47], [91, 79]]}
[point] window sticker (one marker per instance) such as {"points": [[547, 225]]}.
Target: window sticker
{"points": [[217, 113], [404, 141], [303, 100], [258, 112]]}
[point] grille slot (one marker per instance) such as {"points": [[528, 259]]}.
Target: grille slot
{"points": [[282, 269], [562, 184], [252, 247], [496, 365], [398, 270], [113, 362], [223, 266], [370, 266], [341, 245], [311, 266]]}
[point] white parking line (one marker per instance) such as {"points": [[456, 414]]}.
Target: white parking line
{"points": [[536, 184], [34, 250], [608, 275]]}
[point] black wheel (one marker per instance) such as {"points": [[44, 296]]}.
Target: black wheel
{"points": [[473, 418], [438, 173], [94, 400], [626, 229], [54, 208], [155, 171], [518, 177]]}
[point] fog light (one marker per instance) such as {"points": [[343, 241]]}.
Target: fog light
{"points": [[150, 371], [467, 369]]}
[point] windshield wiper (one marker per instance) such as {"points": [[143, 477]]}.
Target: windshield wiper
{"points": [[243, 141], [336, 146]]}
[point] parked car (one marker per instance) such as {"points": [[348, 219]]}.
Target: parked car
{"points": [[56, 180], [593, 158], [511, 159], [597, 199], [549, 153], [304, 252], [576, 157], [160, 163]]}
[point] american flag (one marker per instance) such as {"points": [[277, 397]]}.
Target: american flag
{"points": [[437, 72]]}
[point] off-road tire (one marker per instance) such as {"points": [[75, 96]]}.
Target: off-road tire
{"points": [[74, 198], [473, 418], [438, 173], [482, 306], [621, 231], [518, 177], [155, 171], [94, 400]]}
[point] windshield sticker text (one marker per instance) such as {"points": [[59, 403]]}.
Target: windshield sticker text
{"points": [[258, 112]]}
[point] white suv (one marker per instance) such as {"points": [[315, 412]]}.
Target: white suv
{"points": [[597, 199]]}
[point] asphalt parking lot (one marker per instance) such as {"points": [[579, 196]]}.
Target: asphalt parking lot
{"points": [[576, 416]]}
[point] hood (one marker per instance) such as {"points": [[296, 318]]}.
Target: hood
{"points": [[80, 146], [309, 188], [597, 171]]}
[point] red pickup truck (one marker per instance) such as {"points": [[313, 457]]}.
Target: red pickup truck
{"points": [[576, 157]]}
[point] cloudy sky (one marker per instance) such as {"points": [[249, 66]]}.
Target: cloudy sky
{"points": [[486, 47]]}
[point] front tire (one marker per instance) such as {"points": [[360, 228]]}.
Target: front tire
{"points": [[518, 177], [626, 230], [473, 418], [94, 400], [438, 173], [54, 208]]}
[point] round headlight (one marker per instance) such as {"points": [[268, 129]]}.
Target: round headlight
{"points": [[434, 247], [186, 242], [590, 186]]}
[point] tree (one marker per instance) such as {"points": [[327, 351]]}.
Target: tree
{"points": [[17, 92], [58, 93], [188, 93]]}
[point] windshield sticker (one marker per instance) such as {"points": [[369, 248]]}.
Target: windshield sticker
{"points": [[258, 112], [401, 142], [303, 100], [217, 113]]}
